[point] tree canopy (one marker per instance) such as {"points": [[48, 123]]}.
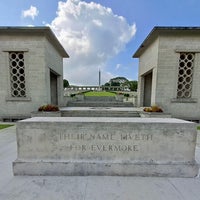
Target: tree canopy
{"points": [[65, 83], [123, 82]]}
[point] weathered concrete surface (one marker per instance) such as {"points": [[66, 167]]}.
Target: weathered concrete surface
{"points": [[42, 56], [106, 146], [87, 187], [100, 111], [158, 74]]}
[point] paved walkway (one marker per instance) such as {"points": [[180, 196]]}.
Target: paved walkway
{"points": [[89, 187], [101, 108]]}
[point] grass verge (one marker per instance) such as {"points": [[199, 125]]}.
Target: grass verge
{"points": [[2, 126], [99, 94]]}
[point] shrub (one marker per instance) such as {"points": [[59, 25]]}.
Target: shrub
{"points": [[48, 108], [72, 95], [120, 93], [126, 95], [153, 109], [148, 109]]}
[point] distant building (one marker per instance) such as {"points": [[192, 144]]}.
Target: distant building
{"points": [[169, 71], [31, 66]]}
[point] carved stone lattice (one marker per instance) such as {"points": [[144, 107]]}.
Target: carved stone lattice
{"points": [[185, 74], [17, 74]]}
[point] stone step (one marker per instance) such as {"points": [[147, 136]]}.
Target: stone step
{"points": [[99, 104], [98, 113], [106, 99]]}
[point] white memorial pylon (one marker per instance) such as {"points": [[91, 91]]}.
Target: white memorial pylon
{"points": [[99, 79]]}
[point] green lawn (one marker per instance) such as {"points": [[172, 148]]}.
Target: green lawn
{"points": [[2, 126], [198, 127], [99, 94]]}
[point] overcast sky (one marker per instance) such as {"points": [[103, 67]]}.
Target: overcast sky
{"points": [[100, 34]]}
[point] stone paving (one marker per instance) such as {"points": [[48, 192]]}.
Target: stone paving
{"points": [[88, 187]]}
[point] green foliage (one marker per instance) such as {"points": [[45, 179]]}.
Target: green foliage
{"points": [[119, 79], [2, 126], [107, 84], [122, 81], [133, 85], [72, 95], [48, 108], [126, 95], [115, 84], [65, 83]]}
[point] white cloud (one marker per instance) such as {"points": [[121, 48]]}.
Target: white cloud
{"points": [[31, 12], [97, 22], [118, 66], [91, 34]]}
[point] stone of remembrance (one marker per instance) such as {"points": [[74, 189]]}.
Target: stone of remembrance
{"points": [[106, 146]]}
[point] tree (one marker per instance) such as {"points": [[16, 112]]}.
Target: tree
{"points": [[124, 82], [115, 84], [119, 80], [107, 84], [133, 85], [65, 83]]}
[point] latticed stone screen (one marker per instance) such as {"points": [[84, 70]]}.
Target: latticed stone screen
{"points": [[17, 74], [185, 74]]}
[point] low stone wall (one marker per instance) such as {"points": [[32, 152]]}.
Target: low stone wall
{"points": [[46, 114], [155, 115], [106, 146], [198, 138], [100, 99]]}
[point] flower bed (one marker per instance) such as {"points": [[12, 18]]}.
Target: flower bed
{"points": [[47, 111], [153, 109], [154, 112], [48, 108]]}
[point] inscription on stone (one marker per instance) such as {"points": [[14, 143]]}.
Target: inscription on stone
{"points": [[113, 142]]}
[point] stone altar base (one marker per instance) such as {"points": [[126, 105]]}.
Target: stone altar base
{"points": [[106, 146]]}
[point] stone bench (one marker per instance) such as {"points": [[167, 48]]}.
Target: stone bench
{"points": [[106, 146]]}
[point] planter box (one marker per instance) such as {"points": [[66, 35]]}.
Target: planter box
{"points": [[155, 115], [46, 114]]}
